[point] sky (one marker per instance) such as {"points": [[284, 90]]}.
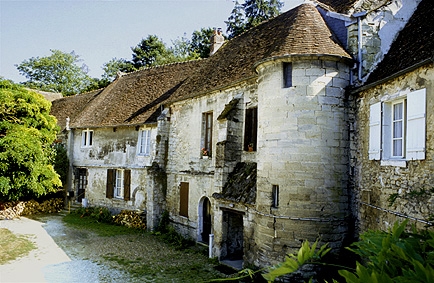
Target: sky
{"points": [[98, 30]]}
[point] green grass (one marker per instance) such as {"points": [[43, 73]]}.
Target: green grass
{"points": [[100, 228], [13, 247]]}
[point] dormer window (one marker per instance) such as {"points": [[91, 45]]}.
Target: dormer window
{"points": [[86, 138]]}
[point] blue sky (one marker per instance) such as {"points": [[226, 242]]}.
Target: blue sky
{"points": [[99, 30]]}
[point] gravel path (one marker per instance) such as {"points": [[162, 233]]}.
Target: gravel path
{"points": [[68, 255]]}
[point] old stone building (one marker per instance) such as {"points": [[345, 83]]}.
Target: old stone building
{"points": [[276, 138]]}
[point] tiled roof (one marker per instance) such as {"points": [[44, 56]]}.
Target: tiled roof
{"points": [[135, 98], [340, 6], [414, 44], [70, 106], [300, 31], [241, 184]]}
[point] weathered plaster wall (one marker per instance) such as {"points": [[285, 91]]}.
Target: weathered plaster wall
{"points": [[303, 146], [375, 183], [114, 149], [380, 27], [205, 175]]}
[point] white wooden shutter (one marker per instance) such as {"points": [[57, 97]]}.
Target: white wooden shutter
{"points": [[375, 131], [416, 112]]}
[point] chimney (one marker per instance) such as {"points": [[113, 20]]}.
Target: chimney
{"points": [[217, 41]]}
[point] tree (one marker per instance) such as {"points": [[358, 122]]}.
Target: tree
{"points": [[150, 52], [114, 66], [27, 131], [250, 14], [183, 51], [58, 72], [200, 42], [235, 23]]}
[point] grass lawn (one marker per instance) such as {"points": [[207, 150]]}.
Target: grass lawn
{"points": [[13, 247]]}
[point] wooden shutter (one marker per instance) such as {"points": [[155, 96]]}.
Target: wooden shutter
{"points": [[416, 132], [375, 131], [127, 183], [110, 183], [183, 199]]}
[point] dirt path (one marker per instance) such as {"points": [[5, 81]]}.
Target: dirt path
{"points": [[31, 267]]}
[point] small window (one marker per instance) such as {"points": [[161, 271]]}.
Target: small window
{"points": [[87, 138], [275, 196], [398, 129], [251, 129], [287, 75], [144, 144], [119, 183], [183, 199], [206, 134]]}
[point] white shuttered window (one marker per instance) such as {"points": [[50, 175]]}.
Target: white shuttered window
{"points": [[397, 128]]}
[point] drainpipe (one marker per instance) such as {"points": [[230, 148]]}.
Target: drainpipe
{"points": [[359, 16], [211, 244]]}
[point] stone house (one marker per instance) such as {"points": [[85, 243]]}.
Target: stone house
{"points": [[268, 142]]}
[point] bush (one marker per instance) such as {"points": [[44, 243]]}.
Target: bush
{"points": [[99, 214]]}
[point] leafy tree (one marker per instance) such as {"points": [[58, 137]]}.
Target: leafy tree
{"points": [[27, 131], [150, 52], [200, 42], [183, 51], [250, 14], [235, 23], [58, 72], [114, 66]]}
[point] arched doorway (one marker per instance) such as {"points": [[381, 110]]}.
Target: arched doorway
{"points": [[205, 213]]}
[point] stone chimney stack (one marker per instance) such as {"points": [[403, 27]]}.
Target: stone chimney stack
{"points": [[216, 40]]}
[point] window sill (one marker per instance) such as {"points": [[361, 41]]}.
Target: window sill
{"points": [[396, 163]]}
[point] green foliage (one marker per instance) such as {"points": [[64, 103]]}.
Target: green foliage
{"points": [[58, 72], [151, 51], [61, 162], [306, 254], [115, 65], [200, 42], [99, 214], [169, 235], [394, 256], [27, 131], [250, 14]]}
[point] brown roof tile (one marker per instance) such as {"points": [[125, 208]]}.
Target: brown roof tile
{"points": [[414, 44], [300, 31], [135, 98], [340, 6], [71, 106]]}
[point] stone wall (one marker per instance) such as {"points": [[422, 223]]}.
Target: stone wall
{"points": [[303, 145], [374, 183], [380, 27]]}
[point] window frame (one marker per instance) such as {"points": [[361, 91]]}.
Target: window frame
{"points": [[119, 183], [144, 143], [207, 129], [287, 74], [87, 138], [251, 128], [275, 196], [413, 128]]}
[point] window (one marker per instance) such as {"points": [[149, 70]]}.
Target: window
{"points": [[144, 144], [183, 199], [287, 75], [250, 129], [86, 138], [81, 183], [397, 128], [275, 196], [118, 183], [206, 134]]}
